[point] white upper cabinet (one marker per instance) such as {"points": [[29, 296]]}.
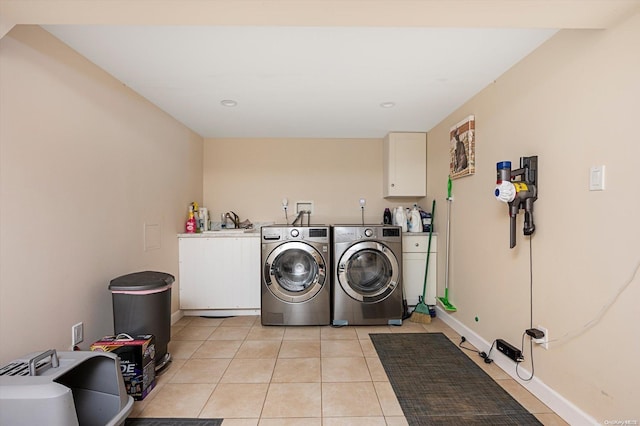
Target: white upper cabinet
{"points": [[405, 165]]}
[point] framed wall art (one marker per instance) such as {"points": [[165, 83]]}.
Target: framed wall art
{"points": [[462, 148]]}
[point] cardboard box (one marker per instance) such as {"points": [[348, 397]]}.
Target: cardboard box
{"points": [[137, 363]]}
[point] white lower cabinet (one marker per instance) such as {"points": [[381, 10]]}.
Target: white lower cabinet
{"points": [[219, 273], [414, 259]]}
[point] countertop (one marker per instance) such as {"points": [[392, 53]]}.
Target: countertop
{"points": [[250, 233], [234, 233]]}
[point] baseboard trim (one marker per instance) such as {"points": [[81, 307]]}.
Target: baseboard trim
{"points": [[175, 317], [559, 404], [220, 312]]}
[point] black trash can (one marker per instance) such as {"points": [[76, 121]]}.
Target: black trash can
{"points": [[142, 305]]}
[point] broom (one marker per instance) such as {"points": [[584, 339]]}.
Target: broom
{"points": [[444, 301], [421, 312]]}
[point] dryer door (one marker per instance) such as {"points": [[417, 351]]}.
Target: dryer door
{"points": [[368, 271], [294, 272]]}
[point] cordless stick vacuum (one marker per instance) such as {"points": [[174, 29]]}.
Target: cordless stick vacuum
{"points": [[518, 194]]}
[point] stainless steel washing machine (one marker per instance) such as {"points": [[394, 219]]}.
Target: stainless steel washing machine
{"points": [[296, 286], [367, 275]]}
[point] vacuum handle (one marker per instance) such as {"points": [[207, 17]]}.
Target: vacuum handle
{"points": [[529, 224]]}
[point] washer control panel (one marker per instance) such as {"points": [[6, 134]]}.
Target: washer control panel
{"points": [[319, 234]]}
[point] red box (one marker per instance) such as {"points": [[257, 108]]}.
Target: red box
{"points": [[137, 363]]}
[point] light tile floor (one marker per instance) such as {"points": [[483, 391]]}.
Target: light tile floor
{"points": [[247, 374]]}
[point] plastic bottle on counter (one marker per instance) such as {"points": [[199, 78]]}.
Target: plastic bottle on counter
{"points": [[401, 218], [191, 223], [203, 219], [386, 217], [415, 221]]}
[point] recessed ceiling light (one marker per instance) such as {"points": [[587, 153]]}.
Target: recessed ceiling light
{"points": [[228, 103], [387, 104]]}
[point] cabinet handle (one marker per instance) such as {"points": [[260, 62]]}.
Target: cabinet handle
{"points": [[417, 244], [393, 184]]}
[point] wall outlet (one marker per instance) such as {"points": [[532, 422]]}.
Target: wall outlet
{"points": [[545, 340], [77, 334]]}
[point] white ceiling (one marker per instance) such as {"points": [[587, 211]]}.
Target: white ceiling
{"points": [[320, 82], [309, 68]]}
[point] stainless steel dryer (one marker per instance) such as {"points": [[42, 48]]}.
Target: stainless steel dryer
{"points": [[295, 280], [367, 280]]}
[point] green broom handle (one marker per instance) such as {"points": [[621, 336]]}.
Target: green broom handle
{"points": [[426, 267], [446, 270]]}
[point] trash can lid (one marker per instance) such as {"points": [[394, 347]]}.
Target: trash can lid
{"points": [[139, 281]]}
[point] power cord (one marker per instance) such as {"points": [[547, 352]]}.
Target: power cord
{"points": [[482, 354], [573, 334], [533, 369], [530, 318]]}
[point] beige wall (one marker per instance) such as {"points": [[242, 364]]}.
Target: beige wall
{"points": [[574, 103], [252, 176], [85, 163]]}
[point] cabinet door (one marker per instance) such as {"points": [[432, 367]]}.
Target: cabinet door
{"points": [[414, 258], [405, 165], [196, 273], [219, 273], [413, 268], [247, 274]]}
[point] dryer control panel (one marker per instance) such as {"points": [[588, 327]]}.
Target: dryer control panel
{"points": [[347, 233], [289, 233]]}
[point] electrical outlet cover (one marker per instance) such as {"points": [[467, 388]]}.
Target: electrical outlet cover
{"points": [[304, 205], [544, 341], [77, 334]]}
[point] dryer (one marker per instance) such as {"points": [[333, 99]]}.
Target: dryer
{"points": [[367, 275], [295, 283]]}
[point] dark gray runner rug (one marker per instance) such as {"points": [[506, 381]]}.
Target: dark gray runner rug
{"points": [[437, 384], [171, 422]]}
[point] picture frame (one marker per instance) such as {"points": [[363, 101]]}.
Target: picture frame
{"points": [[462, 148]]}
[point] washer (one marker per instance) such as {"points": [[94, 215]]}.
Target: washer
{"points": [[367, 275], [296, 286]]}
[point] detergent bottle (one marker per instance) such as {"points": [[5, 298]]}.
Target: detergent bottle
{"points": [[191, 222], [386, 217], [401, 218], [415, 221]]}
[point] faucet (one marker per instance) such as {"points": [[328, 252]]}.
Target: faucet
{"points": [[235, 219]]}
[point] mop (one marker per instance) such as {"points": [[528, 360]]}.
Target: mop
{"points": [[421, 312], [444, 301]]}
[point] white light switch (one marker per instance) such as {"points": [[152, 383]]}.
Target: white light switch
{"points": [[596, 178]]}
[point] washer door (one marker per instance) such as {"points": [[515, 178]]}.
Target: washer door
{"points": [[368, 271], [294, 272]]}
